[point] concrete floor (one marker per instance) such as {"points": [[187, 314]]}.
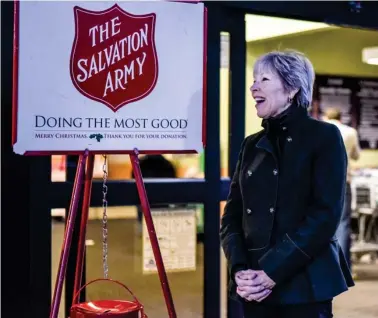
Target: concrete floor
{"points": [[125, 264], [361, 301]]}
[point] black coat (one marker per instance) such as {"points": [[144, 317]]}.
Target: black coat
{"points": [[282, 212]]}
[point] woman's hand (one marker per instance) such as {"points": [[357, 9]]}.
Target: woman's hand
{"points": [[261, 278], [248, 294], [253, 285]]}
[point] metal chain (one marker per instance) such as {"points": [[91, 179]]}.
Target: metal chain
{"points": [[105, 219]]}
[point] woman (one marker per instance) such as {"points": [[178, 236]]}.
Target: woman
{"points": [[285, 201]]}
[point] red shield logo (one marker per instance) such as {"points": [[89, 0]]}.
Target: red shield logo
{"points": [[113, 58]]}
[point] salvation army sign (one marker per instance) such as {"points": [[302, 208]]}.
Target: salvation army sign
{"points": [[109, 77], [113, 57]]}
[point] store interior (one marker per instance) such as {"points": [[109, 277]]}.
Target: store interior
{"points": [[335, 52]]}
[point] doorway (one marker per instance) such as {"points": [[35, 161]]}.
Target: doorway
{"points": [[346, 67]]}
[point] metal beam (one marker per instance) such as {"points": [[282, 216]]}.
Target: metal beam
{"points": [[124, 192], [212, 191]]}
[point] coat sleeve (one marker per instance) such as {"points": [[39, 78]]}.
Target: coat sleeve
{"points": [[231, 233], [297, 248]]}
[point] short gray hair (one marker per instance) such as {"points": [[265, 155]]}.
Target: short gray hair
{"points": [[294, 69]]}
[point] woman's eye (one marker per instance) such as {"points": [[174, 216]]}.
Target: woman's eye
{"points": [[265, 79]]}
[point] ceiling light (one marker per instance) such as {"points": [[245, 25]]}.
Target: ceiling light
{"points": [[370, 55], [263, 27]]}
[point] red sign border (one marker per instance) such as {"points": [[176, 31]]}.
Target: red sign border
{"points": [[124, 103], [77, 152]]}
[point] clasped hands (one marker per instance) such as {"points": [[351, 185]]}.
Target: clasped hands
{"points": [[253, 285]]}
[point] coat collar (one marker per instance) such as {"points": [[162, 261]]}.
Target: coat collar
{"points": [[289, 121], [287, 125]]}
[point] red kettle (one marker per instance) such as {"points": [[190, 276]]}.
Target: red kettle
{"points": [[108, 308]]}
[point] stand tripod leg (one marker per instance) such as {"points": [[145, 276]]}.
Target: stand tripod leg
{"points": [[152, 234], [83, 226], [68, 236]]}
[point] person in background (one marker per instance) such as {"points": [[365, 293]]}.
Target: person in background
{"points": [[350, 137], [285, 200]]}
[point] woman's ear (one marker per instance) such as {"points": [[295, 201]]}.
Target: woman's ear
{"points": [[293, 93]]}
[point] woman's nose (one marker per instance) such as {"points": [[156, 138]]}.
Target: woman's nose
{"points": [[254, 87]]}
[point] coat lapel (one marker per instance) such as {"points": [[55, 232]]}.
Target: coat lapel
{"points": [[265, 144]]}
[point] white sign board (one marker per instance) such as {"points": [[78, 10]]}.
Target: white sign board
{"points": [[177, 237], [109, 77]]}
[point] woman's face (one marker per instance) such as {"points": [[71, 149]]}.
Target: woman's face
{"points": [[269, 93]]}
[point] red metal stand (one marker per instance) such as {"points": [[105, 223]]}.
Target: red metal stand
{"points": [[68, 236], [152, 234], [86, 162]]}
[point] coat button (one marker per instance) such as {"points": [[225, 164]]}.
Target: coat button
{"points": [[249, 211], [284, 128], [249, 172], [271, 210], [289, 139], [275, 172]]}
